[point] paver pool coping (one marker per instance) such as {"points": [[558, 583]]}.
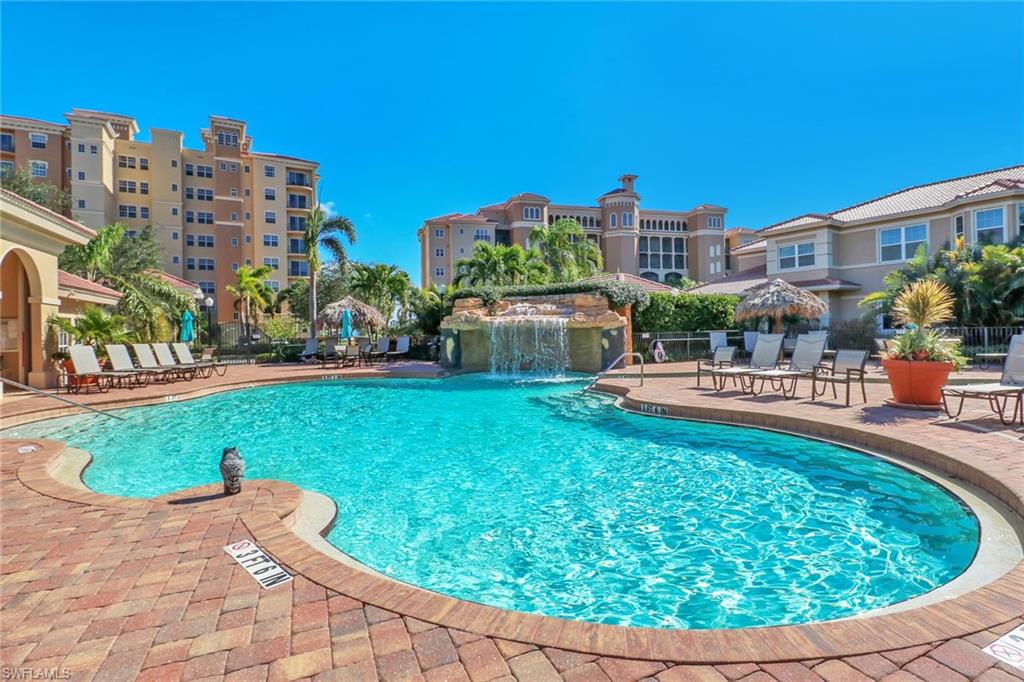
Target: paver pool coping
{"points": [[986, 607]]}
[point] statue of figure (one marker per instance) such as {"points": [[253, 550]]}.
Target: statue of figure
{"points": [[232, 469]]}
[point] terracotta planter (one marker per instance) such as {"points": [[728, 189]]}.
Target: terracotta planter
{"points": [[917, 383]]}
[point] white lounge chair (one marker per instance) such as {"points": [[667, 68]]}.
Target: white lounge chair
{"points": [[147, 361], [721, 358], [764, 357], [185, 359], [380, 352], [121, 361], [1010, 385], [219, 368], [311, 350], [165, 359], [88, 372], [401, 348], [804, 363]]}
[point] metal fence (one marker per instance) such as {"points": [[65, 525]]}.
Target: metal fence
{"points": [[681, 345], [983, 339]]}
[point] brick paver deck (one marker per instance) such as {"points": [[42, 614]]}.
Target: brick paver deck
{"points": [[111, 588]]}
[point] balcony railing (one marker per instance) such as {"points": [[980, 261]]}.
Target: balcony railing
{"points": [[294, 203], [298, 180]]}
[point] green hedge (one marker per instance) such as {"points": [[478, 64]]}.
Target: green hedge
{"points": [[619, 294], [686, 313]]}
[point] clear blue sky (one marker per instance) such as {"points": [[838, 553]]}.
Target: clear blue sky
{"points": [[419, 110]]}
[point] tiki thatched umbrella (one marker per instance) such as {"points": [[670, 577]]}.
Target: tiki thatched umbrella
{"points": [[364, 315], [777, 299]]}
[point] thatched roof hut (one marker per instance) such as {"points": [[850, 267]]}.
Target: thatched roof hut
{"points": [[364, 315], [778, 298]]}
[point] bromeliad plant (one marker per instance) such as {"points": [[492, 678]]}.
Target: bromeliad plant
{"points": [[919, 307]]}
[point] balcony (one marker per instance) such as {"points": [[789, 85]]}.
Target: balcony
{"points": [[298, 180], [299, 203]]}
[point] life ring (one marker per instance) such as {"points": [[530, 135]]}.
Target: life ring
{"points": [[659, 352]]}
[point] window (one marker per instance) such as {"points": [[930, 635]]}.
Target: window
{"points": [[481, 235], [174, 235], [613, 220], [174, 187], [189, 169], [81, 175], [126, 186], [274, 285], [190, 216], [796, 256], [901, 243], [204, 218], [190, 240], [439, 233], [175, 260], [296, 223], [204, 171], [205, 240], [234, 216], [143, 164], [1020, 220], [6, 167], [715, 221], [272, 263], [208, 288], [270, 194], [270, 216], [234, 167], [234, 267], [247, 193], [296, 245], [297, 201], [223, 167], [531, 213], [81, 148], [93, 149], [6, 142], [38, 169], [143, 188], [190, 263], [125, 161], [439, 253], [246, 168], [174, 163], [268, 171], [298, 268], [144, 212], [206, 264], [233, 191], [297, 179], [248, 240], [958, 227], [234, 242], [663, 253], [270, 240], [81, 203], [988, 226], [203, 194], [439, 272], [227, 139], [190, 192], [126, 211], [38, 140], [174, 210], [627, 219]]}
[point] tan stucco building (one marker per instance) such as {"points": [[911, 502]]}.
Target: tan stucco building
{"points": [[658, 245], [214, 209], [844, 255], [33, 289]]}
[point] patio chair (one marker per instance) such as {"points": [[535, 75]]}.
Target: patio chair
{"points": [[717, 339], [380, 352], [1010, 385], [185, 359], [88, 372], [749, 341], [147, 361], [165, 359], [330, 353], [207, 358], [722, 357], [881, 347], [349, 356], [121, 361], [765, 356], [804, 363], [847, 369], [311, 350], [401, 349]]}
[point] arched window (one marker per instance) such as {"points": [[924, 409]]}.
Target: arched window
{"points": [[652, 276], [627, 219], [612, 220], [684, 226], [673, 278]]}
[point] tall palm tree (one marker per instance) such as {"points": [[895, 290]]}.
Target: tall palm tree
{"points": [[252, 293], [327, 232], [382, 286], [566, 250], [501, 266]]}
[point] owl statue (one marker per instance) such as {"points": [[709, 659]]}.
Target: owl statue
{"points": [[232, 469]]}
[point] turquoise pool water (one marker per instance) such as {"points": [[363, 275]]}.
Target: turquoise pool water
{"points": [[530, 497]]}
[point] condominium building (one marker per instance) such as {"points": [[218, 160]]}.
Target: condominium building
{"points": [[845, 254], [213, 209], [659, 245]]}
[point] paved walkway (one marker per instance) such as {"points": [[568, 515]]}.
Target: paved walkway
{"points": [[109, 588]]}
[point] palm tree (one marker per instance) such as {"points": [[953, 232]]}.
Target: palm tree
{"points": [[566, 250], [252, 293], [326, 232], [94, 328], [382, 286], [501, 266]]}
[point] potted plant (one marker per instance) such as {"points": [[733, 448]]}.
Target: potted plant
{"points": [[918, 361]]}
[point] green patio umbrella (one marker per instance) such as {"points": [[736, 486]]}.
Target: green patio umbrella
{"points": [[188, 329]]}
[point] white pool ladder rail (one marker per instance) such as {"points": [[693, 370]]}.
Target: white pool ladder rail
{"points": [[62, 399], [612, 365]]}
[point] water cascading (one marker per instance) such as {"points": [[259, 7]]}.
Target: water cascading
{"points": [[526, 340]]}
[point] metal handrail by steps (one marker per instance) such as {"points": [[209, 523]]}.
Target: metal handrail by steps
{"points": [[611, 366], [57, 397]]}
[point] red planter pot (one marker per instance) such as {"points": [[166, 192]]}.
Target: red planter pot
{"points": [[917, 383]]}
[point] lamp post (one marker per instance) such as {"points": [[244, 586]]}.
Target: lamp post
{"points": [[209, 322], [198, 296]]}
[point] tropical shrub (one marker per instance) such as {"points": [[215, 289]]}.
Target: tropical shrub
{"points": [[96, 327], [858, 334], [281, 327], [920, 306], [619, 294], [501, 265], [686, 312], [566, 251]]}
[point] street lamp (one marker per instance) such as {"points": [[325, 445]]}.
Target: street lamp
{"points": [[198, 296], [209, 323]]}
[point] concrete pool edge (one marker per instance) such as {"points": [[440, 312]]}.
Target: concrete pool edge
{"points": [[982, 608]]}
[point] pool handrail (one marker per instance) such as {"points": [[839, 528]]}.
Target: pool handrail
{"points": [[611, 366], [60, 398]]}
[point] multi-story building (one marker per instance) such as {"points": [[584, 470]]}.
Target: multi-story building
{"points": [[844, 255], [659, 245], [213, 209]]}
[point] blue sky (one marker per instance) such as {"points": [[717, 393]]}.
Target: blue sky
{"points": [[417, 110]]}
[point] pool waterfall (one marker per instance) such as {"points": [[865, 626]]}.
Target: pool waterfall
{"points": [[529, 338]]}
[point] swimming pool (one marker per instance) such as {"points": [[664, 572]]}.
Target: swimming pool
{"points": [[531, 497]]}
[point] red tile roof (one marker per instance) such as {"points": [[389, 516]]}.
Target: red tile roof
{"points": [[65, 280], [633, 279], [175, 281]]}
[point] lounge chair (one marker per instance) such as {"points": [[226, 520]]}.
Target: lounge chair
{"points": [[717, 340], [381, 351], [330, 353], [147, 361], [349, 356], [121, 361], [165, 359], [219, 368], [185, 359], [88, 372], [722, 357], [365, 352], [401, 349], [749, 341], [311, 350], [765, 356], [805, 363], [1010, 385], [847, 369]]}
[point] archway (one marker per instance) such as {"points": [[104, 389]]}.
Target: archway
{"points": [[19, 331]]}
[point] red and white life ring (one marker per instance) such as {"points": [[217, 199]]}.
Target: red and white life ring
{"points": [[659, 352]]}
